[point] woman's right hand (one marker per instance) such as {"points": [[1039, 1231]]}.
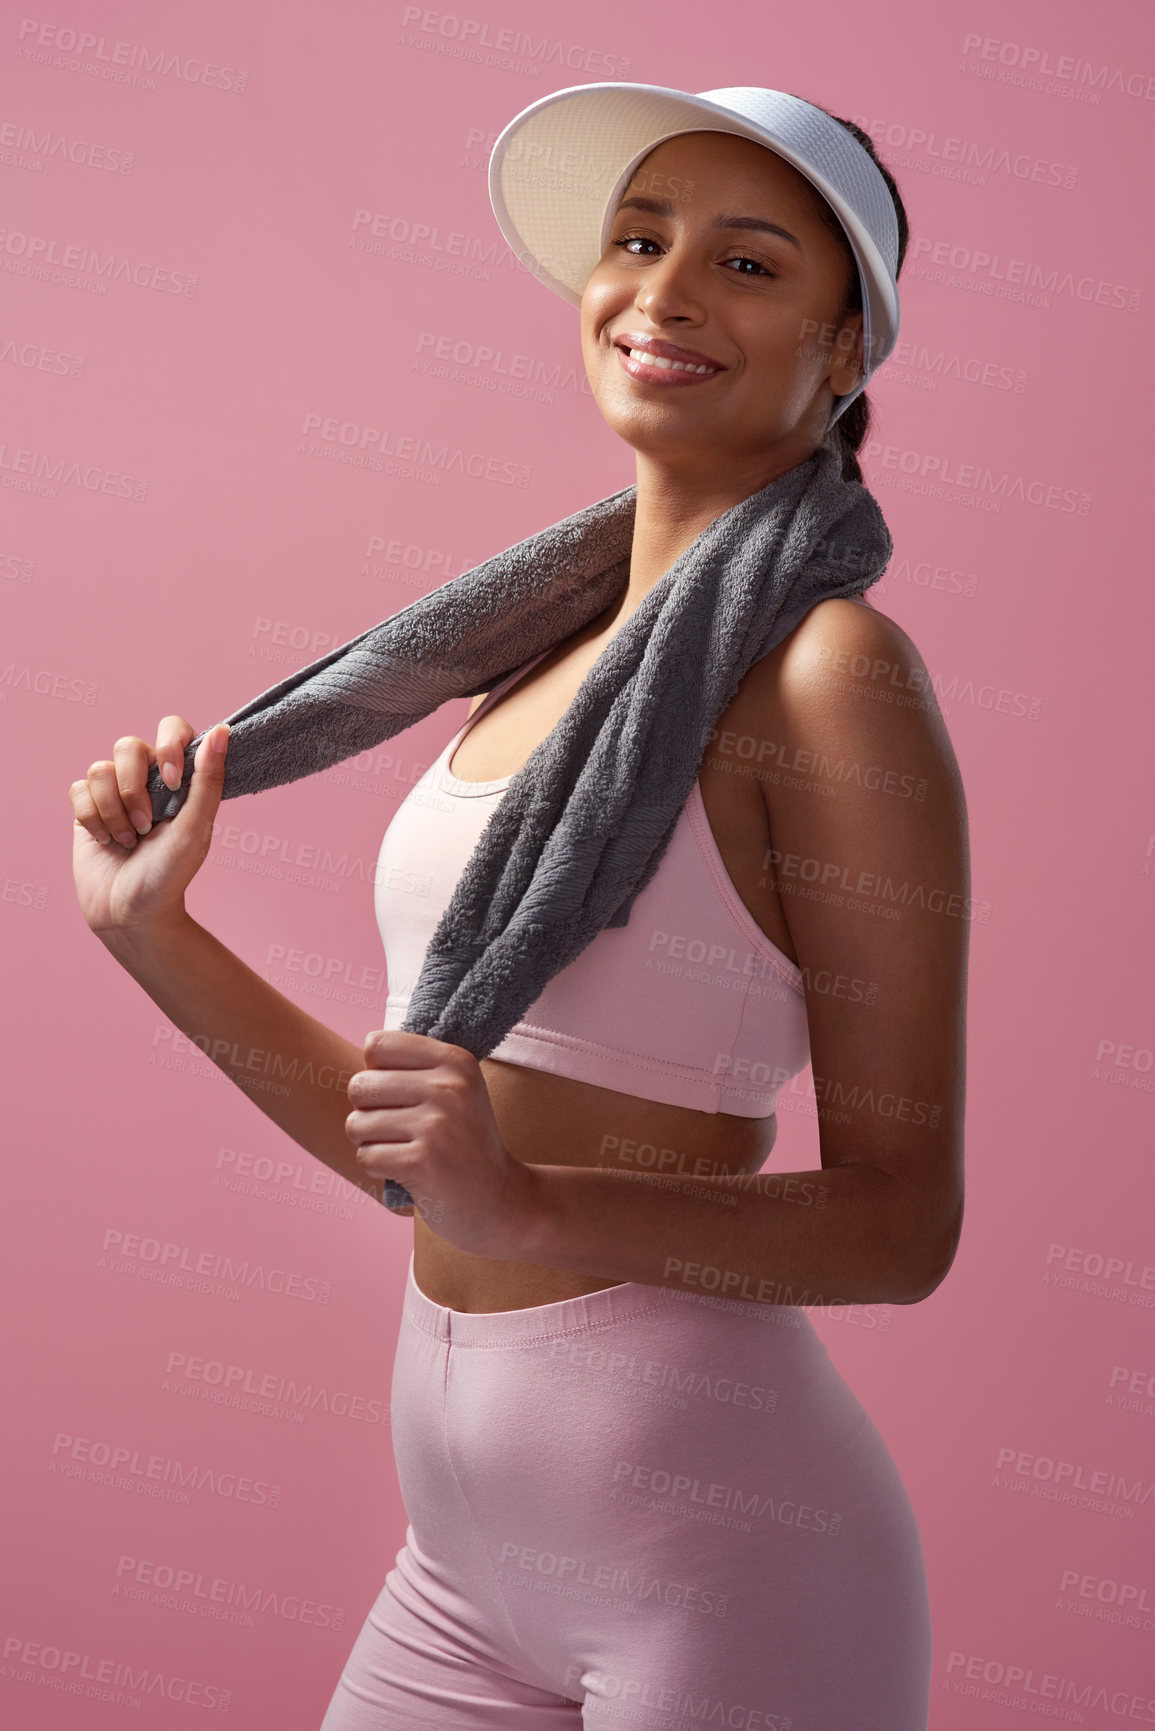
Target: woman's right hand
{"points": [[127, 881]]}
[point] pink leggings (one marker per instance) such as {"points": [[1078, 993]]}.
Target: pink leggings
{"points": [[638, 1508]]}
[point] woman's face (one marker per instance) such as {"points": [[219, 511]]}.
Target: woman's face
{"points": [[758, 294]]}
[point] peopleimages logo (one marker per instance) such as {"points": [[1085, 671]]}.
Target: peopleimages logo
{"points": [[217, 1596], [119, 61], [39, 251], [1031, 65], [174, 1263], [938, 364], [960, 158], [1025, 1687], [44, 473], [1076, 1482], [31, 149], [119, 1682], [39, 358], [46, 683], [944, 472], [1020, 278], [165, 1477], [328, 435], [382, 234], [503, 47], [458, 360], [250, 1387], [1107, 1592]]}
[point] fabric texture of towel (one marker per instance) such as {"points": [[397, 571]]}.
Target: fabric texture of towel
{"points": [[584, 823]]}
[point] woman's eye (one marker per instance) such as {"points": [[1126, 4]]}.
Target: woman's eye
{"points": [[627, 240], [742, 258]]}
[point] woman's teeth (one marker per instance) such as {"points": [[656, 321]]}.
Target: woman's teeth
{"points": [[649, 360]]}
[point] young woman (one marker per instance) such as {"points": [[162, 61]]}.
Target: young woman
{"points": [[638, 1490]]}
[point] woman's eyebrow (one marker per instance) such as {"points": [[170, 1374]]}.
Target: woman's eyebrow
{"points": [[663, 207]]}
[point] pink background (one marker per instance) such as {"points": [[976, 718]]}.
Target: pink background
{"points": [[198, 541]]}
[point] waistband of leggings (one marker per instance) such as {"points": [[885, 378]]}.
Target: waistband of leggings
{"points": [[542, 1322]]}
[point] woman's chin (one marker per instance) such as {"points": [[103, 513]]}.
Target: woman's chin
{"points": [[674, 447]]}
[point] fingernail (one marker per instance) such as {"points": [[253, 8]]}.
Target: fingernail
{"points": [[170, 775], [141, 822], [125, 837], [102, 836], [220, 737]]}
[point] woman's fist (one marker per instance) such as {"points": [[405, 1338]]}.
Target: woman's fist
{"points": [[422, 1116], [130, 872]]}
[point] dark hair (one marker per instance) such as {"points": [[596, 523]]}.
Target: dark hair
{"points": [[852, 426]]}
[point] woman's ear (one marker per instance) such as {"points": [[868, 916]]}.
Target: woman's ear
{"points": [[846, 366]]}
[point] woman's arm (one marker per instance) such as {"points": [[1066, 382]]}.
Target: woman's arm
{"points": [[870, 857], [291, 1066]]}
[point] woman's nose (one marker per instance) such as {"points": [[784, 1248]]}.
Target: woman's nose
{"points": [[670, 289]]}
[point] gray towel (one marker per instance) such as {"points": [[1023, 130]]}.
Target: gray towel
{"points": [[585, 821]]}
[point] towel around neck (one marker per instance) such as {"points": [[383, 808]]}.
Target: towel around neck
{"points": [[583, 825]]}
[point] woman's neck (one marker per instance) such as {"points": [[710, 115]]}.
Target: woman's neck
{"points": [[673, 507]]}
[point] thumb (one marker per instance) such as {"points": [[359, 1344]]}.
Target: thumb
{"points": [[208, 777]]}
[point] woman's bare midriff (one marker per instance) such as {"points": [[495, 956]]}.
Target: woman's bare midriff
{"points": [[555, 1120]]}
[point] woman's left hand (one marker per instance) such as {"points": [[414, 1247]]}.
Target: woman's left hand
{"points": [[423, 1117]]}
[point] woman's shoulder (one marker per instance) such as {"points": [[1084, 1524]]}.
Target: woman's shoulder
{"points": [[845, 625], [847, 685], [844, 646]]}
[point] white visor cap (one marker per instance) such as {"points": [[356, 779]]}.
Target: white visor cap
{"points": [[558, 169]]}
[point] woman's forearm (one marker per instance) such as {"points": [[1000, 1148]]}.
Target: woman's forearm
{"points": [[294, 1068], [847, 1234]]}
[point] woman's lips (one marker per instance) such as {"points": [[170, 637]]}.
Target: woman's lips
{"points": [[649, 374]]}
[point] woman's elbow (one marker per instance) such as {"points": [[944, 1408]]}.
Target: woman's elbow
{"points": [[938, 1244]]}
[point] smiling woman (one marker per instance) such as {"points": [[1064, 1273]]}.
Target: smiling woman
{"points": [[608, 1397], [787, 329], [702, 441], [728, 329]]}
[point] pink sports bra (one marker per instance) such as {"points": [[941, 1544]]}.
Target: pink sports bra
{"points": [[689, 1003]]}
